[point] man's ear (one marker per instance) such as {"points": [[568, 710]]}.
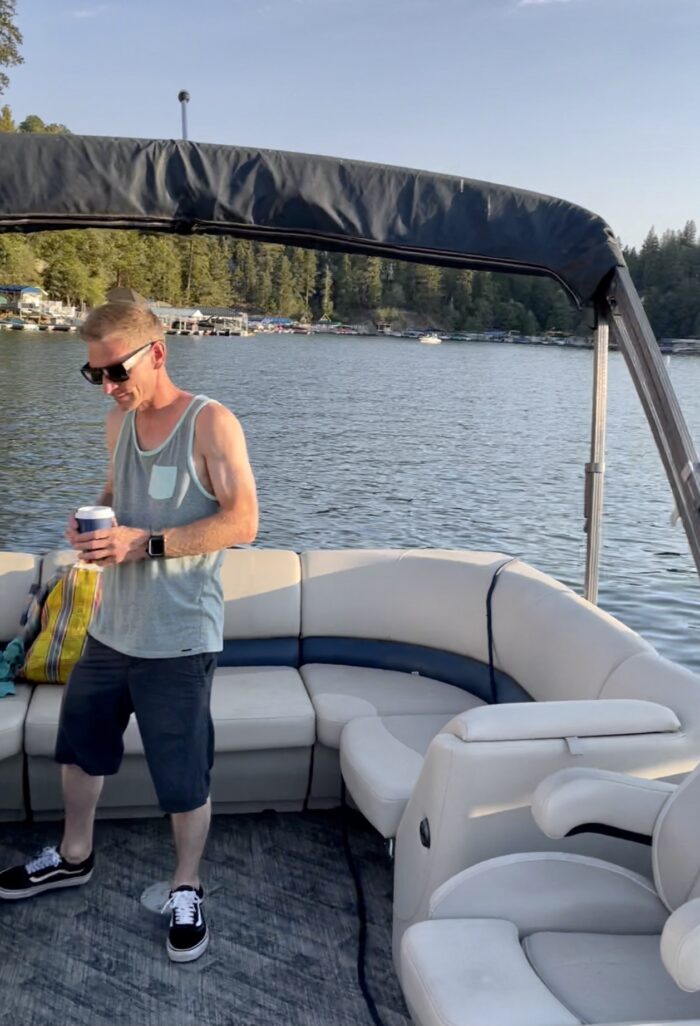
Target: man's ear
{"points": [[159, 353]]}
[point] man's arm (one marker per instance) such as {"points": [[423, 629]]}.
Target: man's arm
{"points": [[113, 425], [221, 441], [115, 419]]}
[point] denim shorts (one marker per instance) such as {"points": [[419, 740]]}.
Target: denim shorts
{"points": [[171, 700]]}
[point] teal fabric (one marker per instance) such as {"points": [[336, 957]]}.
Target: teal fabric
{"points": [[11, 660]]}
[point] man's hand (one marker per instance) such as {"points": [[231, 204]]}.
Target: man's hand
{"points": [[108, 547]]}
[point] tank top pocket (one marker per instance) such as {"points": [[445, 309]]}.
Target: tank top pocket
{"points": [[162, 482]]}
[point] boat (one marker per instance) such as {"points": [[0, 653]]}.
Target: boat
{"points": [[430, 340], [463, 702]]}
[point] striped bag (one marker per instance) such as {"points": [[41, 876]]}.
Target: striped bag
{"points": [[65, 617]]}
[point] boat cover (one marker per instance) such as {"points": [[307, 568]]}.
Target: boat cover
{"points": [[72, 181]]}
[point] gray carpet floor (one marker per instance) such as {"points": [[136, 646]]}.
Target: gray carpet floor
{"points": [[280, 905]]}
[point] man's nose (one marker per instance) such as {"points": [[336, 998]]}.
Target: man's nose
{"points": [[108, 386]]}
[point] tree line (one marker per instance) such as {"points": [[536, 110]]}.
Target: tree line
{"points": [[80, 267]]}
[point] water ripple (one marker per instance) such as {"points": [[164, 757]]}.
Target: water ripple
{"points": [[385, 443]]}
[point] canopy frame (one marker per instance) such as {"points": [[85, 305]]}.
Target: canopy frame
{"points": [[53, 182]]}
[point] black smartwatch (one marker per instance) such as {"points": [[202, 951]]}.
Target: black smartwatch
{"points": [[155, 546]]}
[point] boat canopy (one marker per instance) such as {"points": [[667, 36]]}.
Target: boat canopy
{"points": [[71, 181]]}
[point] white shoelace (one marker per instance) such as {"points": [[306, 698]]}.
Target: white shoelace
{"points": [[185, 906], [48, 857]]}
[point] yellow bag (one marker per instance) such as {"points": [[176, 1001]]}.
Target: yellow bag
{"points": [[65, 618]]}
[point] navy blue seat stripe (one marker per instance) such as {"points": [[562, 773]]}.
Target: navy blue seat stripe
{"points": [[462, 671], [260, 652]]}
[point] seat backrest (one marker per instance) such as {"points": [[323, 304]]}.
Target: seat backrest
{"points": [[676, 845], [19, 572], [434, 598], [555, 644], [650, 677], [55, 560], [262, 607]]}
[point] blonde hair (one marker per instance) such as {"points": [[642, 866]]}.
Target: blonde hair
{"points": [[134, 320]]}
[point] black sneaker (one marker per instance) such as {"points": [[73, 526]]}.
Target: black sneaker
{"points": [[188, 937], [46, 872]]}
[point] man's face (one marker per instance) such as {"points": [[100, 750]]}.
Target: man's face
{"points": [[139, 387]]}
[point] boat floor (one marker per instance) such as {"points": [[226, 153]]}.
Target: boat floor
{"points": [[280, 905]]}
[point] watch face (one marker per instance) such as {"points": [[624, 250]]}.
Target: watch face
{"points": [[156, 545]]}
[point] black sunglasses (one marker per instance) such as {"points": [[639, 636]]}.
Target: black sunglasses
{"points": [[116, 372]]}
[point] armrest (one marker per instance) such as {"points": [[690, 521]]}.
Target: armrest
{"points": [[574, 798], [520, 721], [680, 945]]}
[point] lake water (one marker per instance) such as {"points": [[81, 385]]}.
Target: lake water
{"points": [[380, 442]]}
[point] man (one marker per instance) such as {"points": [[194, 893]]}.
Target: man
{"points": [[182, 490]]}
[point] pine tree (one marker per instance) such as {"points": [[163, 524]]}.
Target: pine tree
{"points": [[287, 302], [18, 264], [7, 123], [327, 292], [10, 41]]}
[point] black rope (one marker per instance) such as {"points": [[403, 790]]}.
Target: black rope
{"points": [[310, 780], [489, 625], [361, 909]]}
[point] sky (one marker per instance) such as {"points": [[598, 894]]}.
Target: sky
{"points": [[595, 101]]}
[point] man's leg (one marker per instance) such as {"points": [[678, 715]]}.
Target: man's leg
{"points": [[94, 714], [81, 793], [171, 700], [190, 831]]}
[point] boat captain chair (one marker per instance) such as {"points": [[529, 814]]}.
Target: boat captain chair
{"points": [[552, 939]]}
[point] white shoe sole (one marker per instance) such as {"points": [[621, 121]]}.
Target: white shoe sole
{"points": [[56, 885], [177, 955]]}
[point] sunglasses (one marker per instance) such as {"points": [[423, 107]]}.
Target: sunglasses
{"points": [[116, 372]]}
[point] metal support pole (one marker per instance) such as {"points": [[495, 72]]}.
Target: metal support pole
{"points": [[595, 470], [631, 329], [184, 98]]}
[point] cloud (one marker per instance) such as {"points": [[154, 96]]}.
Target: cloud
{"points": [[90, 12]]}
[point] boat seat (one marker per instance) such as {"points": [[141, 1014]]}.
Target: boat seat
{"points": [[381, 759], [551, 939], [253, 708], [19, 575], [13, 711], [342, 693]]}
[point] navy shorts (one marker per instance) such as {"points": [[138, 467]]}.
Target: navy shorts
{"points": [[171, 699]]}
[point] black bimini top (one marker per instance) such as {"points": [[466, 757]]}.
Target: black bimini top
{"points": [[70, 181]]}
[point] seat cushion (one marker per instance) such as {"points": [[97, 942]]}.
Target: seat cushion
{"points": [[13, 710], [261, 707], [342, 693], [381, 759], [252, 708], [609, 977], [473, 972], [258, 707], [19, 572]]}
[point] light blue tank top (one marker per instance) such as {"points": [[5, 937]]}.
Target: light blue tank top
{"points": [[161, 608]]}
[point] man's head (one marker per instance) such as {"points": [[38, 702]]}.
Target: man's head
{"points": [[127, 340]]}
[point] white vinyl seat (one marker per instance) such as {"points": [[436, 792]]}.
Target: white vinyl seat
{"points": [[381, 759], [19, 576], [342, 693], [552, 939], [253, 708]]}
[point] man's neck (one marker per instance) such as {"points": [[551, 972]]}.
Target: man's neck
{"points": [[164, 398]]}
